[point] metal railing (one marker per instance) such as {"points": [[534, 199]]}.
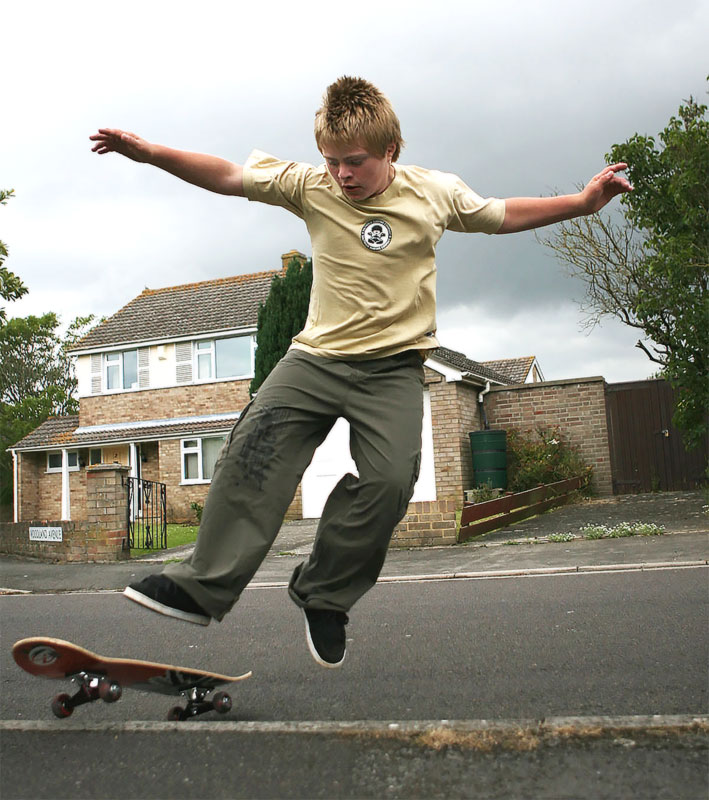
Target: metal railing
{"points": [[146, 515]]}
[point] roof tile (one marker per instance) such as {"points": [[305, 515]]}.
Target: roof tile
{"points": [[191, 309]]}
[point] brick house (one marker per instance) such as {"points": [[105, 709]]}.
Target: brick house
{"points": [[162, 381]]}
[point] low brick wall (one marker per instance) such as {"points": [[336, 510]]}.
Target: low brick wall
{"points": [[100, 537], [427, 524], [80, 541]]}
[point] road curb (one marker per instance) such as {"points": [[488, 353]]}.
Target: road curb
{"points": [[644, 566], [482, 733]]}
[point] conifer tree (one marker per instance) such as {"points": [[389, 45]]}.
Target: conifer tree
{"points": [[281, 317]]}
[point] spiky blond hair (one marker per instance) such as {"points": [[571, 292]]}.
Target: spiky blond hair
{"points": [[354, 110]]}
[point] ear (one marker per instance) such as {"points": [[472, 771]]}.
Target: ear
{"points": [[390, 151]]}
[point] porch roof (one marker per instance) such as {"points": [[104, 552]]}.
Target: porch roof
{"points": [[61, 432]]}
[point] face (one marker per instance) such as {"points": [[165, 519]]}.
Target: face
{"points": [[357, 172]]}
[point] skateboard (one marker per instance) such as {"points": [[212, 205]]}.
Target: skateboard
{"points": [[98, 677]]}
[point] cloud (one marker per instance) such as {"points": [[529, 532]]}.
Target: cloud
{"points": [[516, 98]]}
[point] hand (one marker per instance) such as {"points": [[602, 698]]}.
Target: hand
{"points": [[112, 140], [602, 188]]}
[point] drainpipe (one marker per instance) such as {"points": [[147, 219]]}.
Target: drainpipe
{"points": [[15, 488], [481, 406]]}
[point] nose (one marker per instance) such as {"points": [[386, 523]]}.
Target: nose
{"points": [[344, 171]]}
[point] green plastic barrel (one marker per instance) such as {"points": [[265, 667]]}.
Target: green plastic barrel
{"points": [[489, 449]]}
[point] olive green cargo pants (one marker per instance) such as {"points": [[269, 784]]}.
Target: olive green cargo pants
{"points": [[264, 458]]}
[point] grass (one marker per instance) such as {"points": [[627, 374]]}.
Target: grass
{"points": [[177, 535]]}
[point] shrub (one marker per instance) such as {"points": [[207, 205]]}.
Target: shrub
{"points": [[543, 456], [197, 508]]}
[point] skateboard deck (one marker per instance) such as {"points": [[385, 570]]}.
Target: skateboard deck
{"points": [[100, 677]]}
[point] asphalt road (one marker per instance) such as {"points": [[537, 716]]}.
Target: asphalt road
{"points": [[616, 643], [527, 648]]}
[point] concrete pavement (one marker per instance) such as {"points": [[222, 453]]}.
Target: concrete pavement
{"points": [[518, 549]]}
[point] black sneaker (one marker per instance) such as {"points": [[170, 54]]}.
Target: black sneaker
{"points": [[160, 594], [325, 632]]}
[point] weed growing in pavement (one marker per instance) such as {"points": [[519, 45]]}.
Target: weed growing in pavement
{"points": [[597, 532], [622, 530], [561, 537]]}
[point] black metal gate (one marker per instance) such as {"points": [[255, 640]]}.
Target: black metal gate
{"points": [[647, 453], [146, 514]]}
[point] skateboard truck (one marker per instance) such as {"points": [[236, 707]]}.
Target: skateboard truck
{"points": [[196, 704], [92, 687]]}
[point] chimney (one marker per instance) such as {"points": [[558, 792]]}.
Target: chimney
{"points": [[286, 258]]}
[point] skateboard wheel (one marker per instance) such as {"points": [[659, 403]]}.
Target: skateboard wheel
{"points": [[109, 691], [221, 702], [175, 714], [61, 707]]}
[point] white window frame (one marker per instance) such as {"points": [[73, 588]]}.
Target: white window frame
{"points": [[212, 350], [200, 348], [191, 450], [121, 371], [70, 453]]}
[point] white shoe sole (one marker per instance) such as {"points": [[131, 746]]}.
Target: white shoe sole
{"points": [[153, 605], [314, 652]]}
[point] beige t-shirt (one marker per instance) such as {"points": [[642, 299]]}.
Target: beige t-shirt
{"points": [[374, 271]]}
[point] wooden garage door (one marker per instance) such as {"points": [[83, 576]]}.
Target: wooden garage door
{"points": [[647, 453]]}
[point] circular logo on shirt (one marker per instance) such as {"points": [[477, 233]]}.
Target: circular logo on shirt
{"points": [[376, 234]]}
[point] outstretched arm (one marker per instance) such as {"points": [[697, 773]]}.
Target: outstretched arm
{"points": [[209, 172], [525, 213]]}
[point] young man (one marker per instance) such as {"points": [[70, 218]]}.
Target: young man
{"points": [[371, 321]]}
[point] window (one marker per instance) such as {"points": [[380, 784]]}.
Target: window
{"points": [[199, 457], [95, 456], [233, 356], [121, 370], [205, 358], [224, 358], [54, 461]]}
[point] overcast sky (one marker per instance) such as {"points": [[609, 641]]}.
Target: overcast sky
{"points": [[518, 97]]}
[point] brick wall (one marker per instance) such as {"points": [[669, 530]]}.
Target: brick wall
{"points": [[577, 407], [176, 401], [40, 495], [98, 537], [427, 524], [454, 414]]}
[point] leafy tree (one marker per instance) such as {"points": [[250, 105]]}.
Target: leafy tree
{"points": [[37, 380], [281, 317], [11, 287], [651, 269]]}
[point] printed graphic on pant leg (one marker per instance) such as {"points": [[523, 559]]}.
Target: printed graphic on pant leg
{"points": [[259, 446]]}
